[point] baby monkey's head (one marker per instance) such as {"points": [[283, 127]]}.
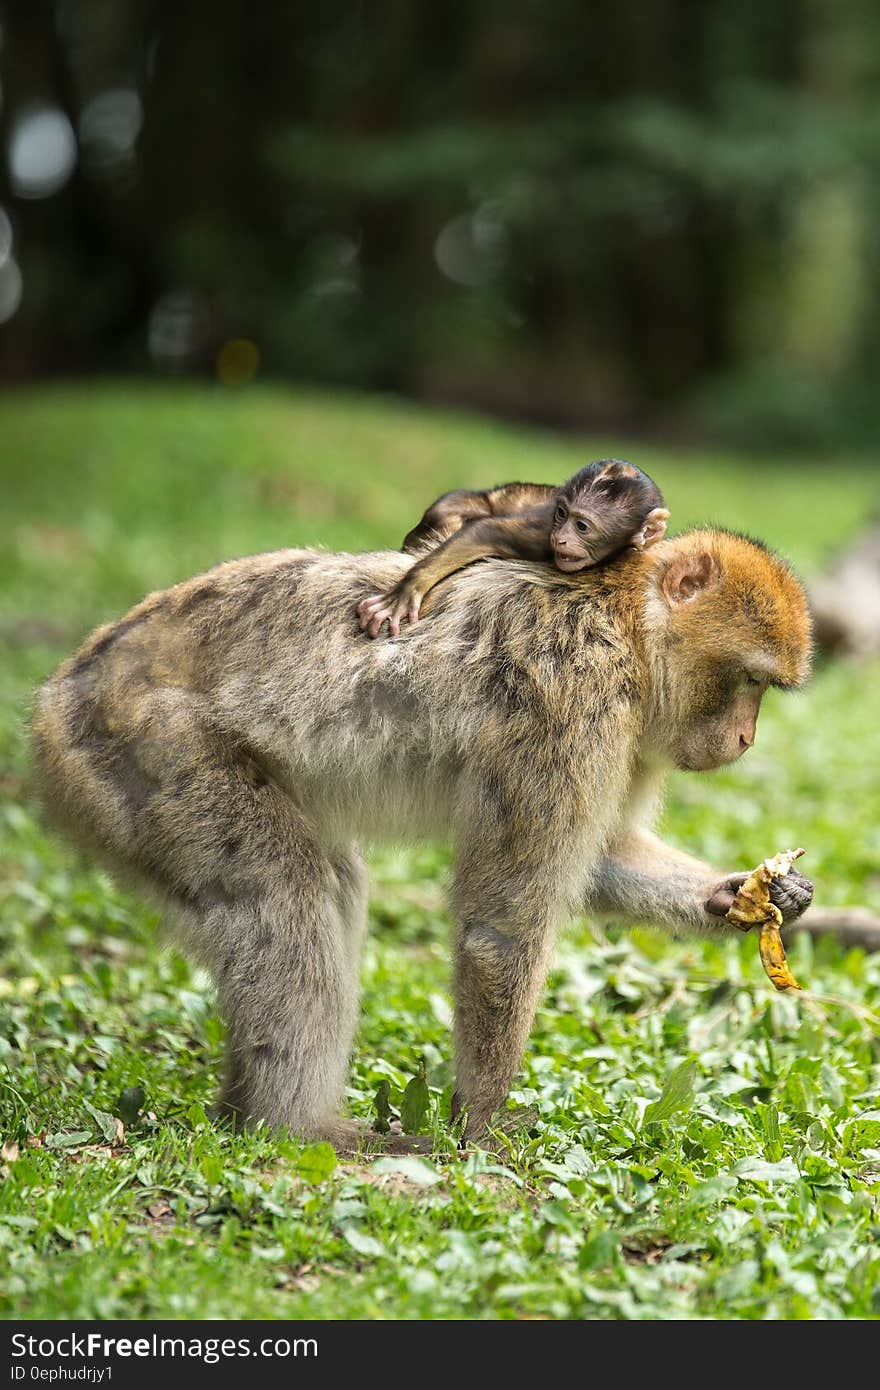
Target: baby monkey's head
{"points": [[604, 508]]}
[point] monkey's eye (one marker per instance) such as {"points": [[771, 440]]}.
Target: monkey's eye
{"points": [[753, 680], [583, 527], [561, 514]]}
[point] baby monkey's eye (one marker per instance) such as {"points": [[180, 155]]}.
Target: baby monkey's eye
{"points": [[583, 527], [561, 514]]}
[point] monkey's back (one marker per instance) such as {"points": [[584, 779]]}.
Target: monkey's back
{"points": [[260, 663]]}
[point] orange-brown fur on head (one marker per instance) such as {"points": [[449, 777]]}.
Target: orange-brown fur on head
{"points": [[732, 619], [616, 468]]}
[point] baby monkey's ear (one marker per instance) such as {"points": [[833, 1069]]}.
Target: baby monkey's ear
{"points": [[652, 529]]}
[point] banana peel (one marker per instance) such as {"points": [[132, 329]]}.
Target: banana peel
{"points": [[773, 959], [753, 907]]}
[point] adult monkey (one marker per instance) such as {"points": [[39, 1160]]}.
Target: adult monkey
{"points": [[228, 742]]}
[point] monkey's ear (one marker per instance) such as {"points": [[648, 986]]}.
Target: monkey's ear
{"points": [[652, 529], [689, 577]]}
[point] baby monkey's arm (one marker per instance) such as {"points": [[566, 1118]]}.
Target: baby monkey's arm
{"points": [[454, 510], [525, 536]]}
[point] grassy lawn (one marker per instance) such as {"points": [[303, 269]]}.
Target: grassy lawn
{"points": [[750, 1191]]}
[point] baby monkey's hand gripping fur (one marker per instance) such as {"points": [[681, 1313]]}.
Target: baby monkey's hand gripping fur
{"points": [[606, 507]]}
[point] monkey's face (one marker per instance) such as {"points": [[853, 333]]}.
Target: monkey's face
{"points": [[580, 537], [730, 634], [593, 522], [722, 727]]}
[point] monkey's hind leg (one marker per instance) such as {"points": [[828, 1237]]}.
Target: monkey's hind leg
{"points": [[291, 1004], [279, 922]]}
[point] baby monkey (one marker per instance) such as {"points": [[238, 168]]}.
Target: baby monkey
{"points": [[606, 507]]}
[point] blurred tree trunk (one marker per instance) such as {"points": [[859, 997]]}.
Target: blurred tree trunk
{"points": [[823, 301]]}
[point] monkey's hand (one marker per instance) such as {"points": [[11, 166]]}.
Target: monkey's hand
{"points": [[403, 603], [792, 894]]}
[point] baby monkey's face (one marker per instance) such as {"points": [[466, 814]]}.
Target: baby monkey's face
{"points": [[605, 508], [585, 532]]}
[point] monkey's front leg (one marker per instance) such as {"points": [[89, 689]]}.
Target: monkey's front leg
{"points": [[499, 974], [644, 879]]}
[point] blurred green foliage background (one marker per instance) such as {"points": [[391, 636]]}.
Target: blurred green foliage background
{"points": [[651, 214]]}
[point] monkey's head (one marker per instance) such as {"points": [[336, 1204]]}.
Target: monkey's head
{"points": [[605, 507], [732, 621]]}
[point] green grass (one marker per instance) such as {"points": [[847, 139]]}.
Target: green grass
{"points": [[750, 1192]]}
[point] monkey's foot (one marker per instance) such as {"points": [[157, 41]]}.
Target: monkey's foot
{"points": [[401, 1143], [483, 1130], [358, 1140], [395, 607]]}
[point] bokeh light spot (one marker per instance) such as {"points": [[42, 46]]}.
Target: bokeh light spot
{"points": [[456, 254], [178, 325], [109, 126], [11, 286], [468, 247], [5, 236], [42, 153], [237, 362]]}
